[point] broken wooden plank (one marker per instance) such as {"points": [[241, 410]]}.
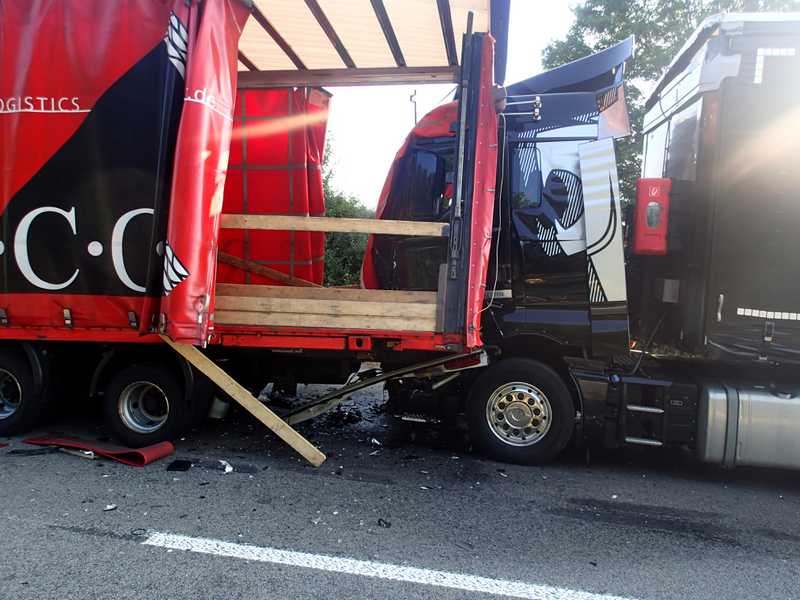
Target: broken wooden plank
{"points": [[254, 267], [320, 293], [406, 310], [234, 317], [334, 224], [231, 387]]}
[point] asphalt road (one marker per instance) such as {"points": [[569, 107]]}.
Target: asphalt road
{"points": [[414, 517]]}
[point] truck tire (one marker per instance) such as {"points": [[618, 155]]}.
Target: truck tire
{"points": [[21, 406], [203, 393], [144, 404], [520, 411]]}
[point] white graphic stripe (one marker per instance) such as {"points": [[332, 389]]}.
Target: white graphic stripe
{"points": [[176, 39], [368, 568]]}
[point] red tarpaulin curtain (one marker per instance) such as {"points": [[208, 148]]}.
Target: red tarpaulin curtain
{"points": [[89, 105], [201, 160], [277, 149]]}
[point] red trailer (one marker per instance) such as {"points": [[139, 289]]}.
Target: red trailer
{"points": [[151, 193]]}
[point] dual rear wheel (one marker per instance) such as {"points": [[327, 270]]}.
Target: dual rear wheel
{"points": [[22, 405], [142, 404]]}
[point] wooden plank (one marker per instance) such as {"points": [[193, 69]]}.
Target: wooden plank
{"points": [[302, 306], [336, 77], [334, 224], [232, 317], [229, 385], [322, 293], [254, 267]]}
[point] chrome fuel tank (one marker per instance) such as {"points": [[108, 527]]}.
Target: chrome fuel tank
{"points": [[749, 426]]}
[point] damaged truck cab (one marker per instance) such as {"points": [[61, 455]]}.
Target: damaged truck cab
{"points": [[667, 322], [555, 286]]}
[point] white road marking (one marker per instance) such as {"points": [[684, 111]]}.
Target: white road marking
{"points": [[368, 568]]}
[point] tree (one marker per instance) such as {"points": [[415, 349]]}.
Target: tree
{"points": [[661, 27], [343, 251]]}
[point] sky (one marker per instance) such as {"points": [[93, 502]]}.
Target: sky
{"points": [[367, 125]]}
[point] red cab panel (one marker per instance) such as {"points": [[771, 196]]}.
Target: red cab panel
{"points": [[651, 222]]}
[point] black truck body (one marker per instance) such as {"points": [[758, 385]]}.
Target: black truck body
{"points": [[712, 320]]}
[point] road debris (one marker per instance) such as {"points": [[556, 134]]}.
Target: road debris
{"points": [[384, 523], [87, 454], [31, 452], [110, 507], [179, 464], [226, 465]]}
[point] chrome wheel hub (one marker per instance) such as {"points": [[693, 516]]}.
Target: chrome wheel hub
{"points": [[10, 394], [143, 407], [518, 413]]}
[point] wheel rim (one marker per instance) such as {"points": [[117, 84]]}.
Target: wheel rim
{"points": [[10, 394], [143, 407], [519, 414]]}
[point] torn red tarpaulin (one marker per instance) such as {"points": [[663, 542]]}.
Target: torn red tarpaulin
{"points": [[134, 457]]}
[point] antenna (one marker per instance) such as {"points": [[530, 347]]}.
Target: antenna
{"points": [[413, 99]]}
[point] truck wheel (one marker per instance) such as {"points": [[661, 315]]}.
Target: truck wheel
{"points": [[202, 398], [20, 407], [144, 404], [520, 411]]}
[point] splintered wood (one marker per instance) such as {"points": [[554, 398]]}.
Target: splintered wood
{"points": [[229, 385]]}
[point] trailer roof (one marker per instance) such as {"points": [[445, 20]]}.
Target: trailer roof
{"points": [[729, 23], [363, 42]]}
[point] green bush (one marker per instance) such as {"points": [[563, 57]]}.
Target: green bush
{"points": [[343, 251]]}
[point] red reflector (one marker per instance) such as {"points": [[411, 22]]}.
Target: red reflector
{"points": [[652, 216]]}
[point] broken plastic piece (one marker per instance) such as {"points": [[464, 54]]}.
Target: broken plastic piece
{"points": [[31, 451], [179, 465], [87, 454]]}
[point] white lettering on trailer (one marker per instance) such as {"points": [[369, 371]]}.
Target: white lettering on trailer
{"points": [[94, 248], [117, 239], [215, 103], [21, 246], [41, 104], [368, 568]]}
